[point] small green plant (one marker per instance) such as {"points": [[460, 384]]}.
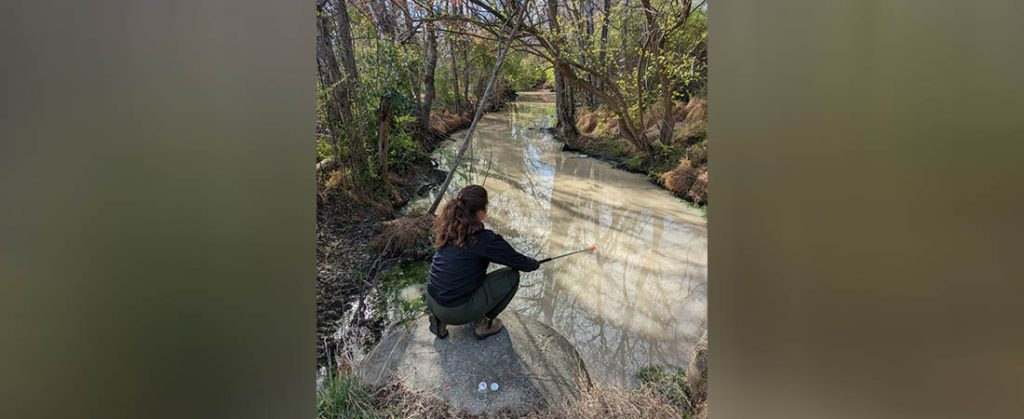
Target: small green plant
{"points": [[637, 163], [610, 147], [665, 158], [671, 384], [404, 149], [703, 208], [324, 149]]}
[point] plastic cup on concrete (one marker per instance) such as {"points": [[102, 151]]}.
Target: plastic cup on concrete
{"points": [[482, 391]]}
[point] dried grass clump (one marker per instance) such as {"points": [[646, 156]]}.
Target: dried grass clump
{"points": [[680, 179], [679, 112], [697, 371], [699, 190], [696, 109], [334, 180], [696, 122], [653, 132], [620, 126], [446, 122], [652, 117], [615, 402], [400, 401], [586, 123], [408, 236], [600, 123]]}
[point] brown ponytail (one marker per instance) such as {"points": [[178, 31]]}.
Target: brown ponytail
{"points": [[458, 222]]}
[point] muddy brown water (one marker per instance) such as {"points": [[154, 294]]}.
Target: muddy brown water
{"points": [[642, 298]]}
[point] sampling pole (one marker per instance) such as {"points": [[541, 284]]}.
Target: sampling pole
{"points": [[589, 249]]}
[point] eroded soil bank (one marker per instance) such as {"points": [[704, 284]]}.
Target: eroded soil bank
{"points": [[681, 166]]}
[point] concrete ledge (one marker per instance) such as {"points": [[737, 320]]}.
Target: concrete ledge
{"points": [[533, 365]]}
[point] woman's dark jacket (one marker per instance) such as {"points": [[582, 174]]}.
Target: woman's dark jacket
{"points": [[456, 273]]}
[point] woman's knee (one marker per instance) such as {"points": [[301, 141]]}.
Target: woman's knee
{"points": [[513, 279]]}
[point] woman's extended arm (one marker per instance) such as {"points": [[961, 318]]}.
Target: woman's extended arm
{"points": [[499, 251]]}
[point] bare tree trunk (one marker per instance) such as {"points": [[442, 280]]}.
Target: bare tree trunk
{"points": [[465, 78], [385, 23], [348, 54], [385, 111], [464, 11], [413, 74], [603, 54], [453, 56], [641, 78], [455, 79], [589, 11], [428, 77], [386, 33], [330, 77], [565, 109], [624, 36], [342, 87]]}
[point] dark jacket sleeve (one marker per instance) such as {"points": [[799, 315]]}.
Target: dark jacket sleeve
{"points": [[499, 251]]}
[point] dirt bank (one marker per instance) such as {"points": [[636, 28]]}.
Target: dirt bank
{"points": [[349, 260], [680, 167], [347, 263]]}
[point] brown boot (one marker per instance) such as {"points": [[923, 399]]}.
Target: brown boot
{"points": [[438, 328], [486, 327]]}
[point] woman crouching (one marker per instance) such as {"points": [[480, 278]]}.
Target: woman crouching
{"points": [[459, 289]]}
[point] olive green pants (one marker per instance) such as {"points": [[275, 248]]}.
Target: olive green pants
{"points": [[489, 300]]}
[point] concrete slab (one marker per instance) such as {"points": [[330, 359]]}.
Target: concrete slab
{"points": [[532, 364]]}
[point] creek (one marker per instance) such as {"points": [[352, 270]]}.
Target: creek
{"points": [[641, 299]]}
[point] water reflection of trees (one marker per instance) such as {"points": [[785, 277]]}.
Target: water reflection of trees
{"points": [[642, 300]]}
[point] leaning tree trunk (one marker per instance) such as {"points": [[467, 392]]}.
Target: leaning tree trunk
{"points": [[479, 110], [565, 109]]}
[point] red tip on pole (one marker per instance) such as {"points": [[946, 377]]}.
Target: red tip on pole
{"points": [[593, 248]]}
